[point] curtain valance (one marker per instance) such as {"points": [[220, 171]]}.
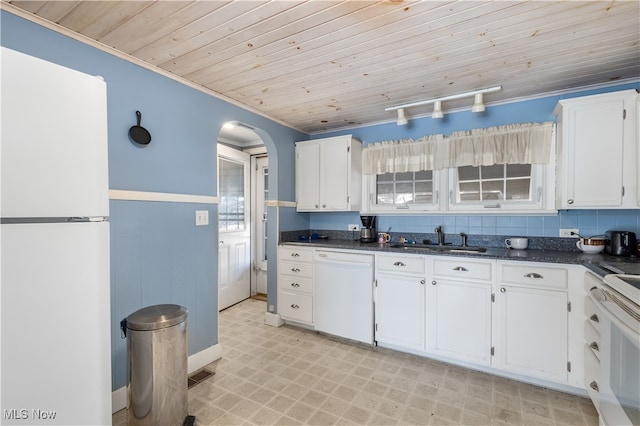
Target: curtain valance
{"points": [[527, 143]]}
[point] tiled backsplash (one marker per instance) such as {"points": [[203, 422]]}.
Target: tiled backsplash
{"points": [[589, 222]]}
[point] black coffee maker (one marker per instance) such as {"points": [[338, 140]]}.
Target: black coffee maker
{"points": [[368, 230]]}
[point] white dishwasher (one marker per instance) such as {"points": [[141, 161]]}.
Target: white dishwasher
{"points": [[343, 295]]}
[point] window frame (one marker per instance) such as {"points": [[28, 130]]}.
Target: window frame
{"points": [[370, 197]]}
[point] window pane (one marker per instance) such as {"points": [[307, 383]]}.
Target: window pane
{"points": [[492, 190], [387, 177], [469, 191], [518, 170], [518, 189], [493, 172], [404, 176], [426, 175], [385, 193], [424, 192], [468, 173], [231, 209], [404, 193]]}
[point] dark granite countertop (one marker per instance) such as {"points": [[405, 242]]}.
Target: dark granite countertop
{"points": [[591, 261]]}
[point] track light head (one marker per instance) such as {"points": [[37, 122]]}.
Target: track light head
{"points": [[402, 120], [437, 110], [478, 105]]}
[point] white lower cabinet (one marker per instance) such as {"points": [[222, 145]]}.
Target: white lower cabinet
{"points": [[459, 310], [400, 301], [295, 284], [530, 322]]}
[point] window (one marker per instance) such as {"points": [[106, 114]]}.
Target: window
{"points": [[231, 215], [500, 182], [500, 186], [406, 190]]}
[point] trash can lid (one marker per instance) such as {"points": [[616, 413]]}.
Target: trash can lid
{"points": [[156, 317]]}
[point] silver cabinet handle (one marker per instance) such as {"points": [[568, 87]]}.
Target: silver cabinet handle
{"points": [[434, 282], [294, 306], [594, 318], [569, 201], [594, 385], [594, 346], [533, 275], [399, 264], [324, 206], [294, 254], [317, 206], [422, 281], [460, 268], [295, 269], [503, 290], [295, 285]]}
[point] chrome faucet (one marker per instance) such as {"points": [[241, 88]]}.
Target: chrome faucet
{"points": [[438, 231], [464, 239]]}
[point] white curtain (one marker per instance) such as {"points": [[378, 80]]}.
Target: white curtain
{"points": [[528, 143], [427, 153]]}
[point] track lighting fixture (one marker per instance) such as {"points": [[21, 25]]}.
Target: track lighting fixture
{"points": [[478, 104], [437, 110], [402, 120]]}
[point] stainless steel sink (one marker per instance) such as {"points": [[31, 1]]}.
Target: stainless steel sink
{"points": [[446, 248]]}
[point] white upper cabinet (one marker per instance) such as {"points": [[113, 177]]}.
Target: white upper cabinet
{"points": [[328, 174], [597, 151]]}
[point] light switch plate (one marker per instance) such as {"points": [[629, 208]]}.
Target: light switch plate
{"points": [[202, 217]]}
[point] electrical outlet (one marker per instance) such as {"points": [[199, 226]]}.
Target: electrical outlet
{"points": [[353, 227], [569, 233]]}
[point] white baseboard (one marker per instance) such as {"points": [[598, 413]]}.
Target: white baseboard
{"points": [[273, 320], [194, 363]]}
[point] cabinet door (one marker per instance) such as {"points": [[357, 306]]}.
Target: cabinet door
{"points": [[594, 154], [334, 174], [459, 320], [308, 176], [399, 308], [531, 332]]}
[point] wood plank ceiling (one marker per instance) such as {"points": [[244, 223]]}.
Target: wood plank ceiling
{"points": [[323, 65]]}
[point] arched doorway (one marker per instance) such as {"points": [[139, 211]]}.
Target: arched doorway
{"points": [[243, 187]]}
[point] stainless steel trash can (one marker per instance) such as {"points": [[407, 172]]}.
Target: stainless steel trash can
{"points": [[157, 353]]}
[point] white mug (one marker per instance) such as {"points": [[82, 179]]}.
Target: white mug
{"points": [[517, 243]]}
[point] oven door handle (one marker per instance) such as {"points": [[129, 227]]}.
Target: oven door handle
{"points": [[600, 299]]}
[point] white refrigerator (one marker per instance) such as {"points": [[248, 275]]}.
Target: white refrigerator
{"points": [[55, 352]]}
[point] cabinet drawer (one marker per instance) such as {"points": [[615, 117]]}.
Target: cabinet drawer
{"points": [[296, 307], [296, 269], [535, 276], [462, 269], [297, 284], [401, 264], [296, 254]]}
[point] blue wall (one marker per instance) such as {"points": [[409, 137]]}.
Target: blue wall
{"points": [[590, 222], [157, 253]]}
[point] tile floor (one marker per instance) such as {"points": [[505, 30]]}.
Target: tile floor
{"points": [[288, 376]]}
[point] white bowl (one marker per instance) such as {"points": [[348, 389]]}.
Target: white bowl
{"points": [[591, 249]]}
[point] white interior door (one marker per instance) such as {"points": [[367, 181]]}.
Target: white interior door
{"points": [[260, 191], [234, 251]]}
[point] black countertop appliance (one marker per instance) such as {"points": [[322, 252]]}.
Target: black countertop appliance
{"points": [[368, 230], [621, 243]]}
